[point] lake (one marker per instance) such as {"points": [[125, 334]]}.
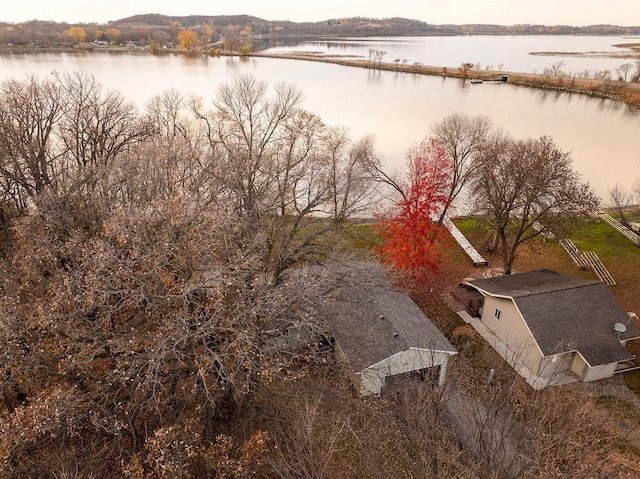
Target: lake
{"points": [[502, 52], [397, 108]]}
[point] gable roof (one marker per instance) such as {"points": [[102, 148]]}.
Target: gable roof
{"points": [[371, 321], [566, 314]]}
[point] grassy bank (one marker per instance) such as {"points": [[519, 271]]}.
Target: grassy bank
{"points": [[620, 256]]}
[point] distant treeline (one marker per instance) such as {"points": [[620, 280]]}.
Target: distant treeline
{"points": [[163, 30]]}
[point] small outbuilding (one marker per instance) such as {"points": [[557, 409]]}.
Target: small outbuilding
{"points": [[549, 324], [379, 332]]}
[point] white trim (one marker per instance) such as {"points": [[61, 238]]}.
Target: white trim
{"points": [[428, 351]]}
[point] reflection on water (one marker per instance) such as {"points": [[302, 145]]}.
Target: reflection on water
{"points": [[397, 108], [632, 111], [501, 52]]}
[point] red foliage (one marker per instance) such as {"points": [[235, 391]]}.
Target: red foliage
{"points": [[410, 236]]}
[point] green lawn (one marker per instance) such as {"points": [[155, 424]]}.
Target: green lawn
{"points": [[619, 255], [605, 240]]}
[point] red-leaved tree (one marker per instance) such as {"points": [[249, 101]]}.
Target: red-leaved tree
{"points": [[410, 237]]}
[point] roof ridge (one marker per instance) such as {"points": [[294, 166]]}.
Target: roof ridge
{"points": [[561, 286]]}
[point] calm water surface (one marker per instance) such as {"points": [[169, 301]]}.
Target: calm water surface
{"points": [[504, 52], [397, 108]]}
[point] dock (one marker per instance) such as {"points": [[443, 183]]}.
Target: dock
{"points": [[599, 268], [635, 239], [575, 254], [546, 234], [468, 248], [586, 260]]}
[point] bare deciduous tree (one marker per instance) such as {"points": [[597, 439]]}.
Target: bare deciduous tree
{"points": [[174, 160], [556, 69], [620, 200], [275, 169], [245, 126], [624, 70], [307, 443], [95, 128], [421, 409], [636, 73], [519, 183], [461, 136], [635, 188], [465, 67], [379, 55], [351, 183], [29, 114]]}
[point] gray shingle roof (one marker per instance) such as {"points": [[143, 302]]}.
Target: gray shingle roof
{"points": [[566, 314], [371, 321]]}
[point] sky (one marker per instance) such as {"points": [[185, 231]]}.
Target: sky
{"points": [[501, 12]]}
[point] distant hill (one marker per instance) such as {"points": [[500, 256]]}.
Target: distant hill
{"points": [[157, 20], [343, 26], [365, 26], [157, 31]]}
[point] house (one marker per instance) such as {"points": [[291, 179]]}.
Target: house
{"points": [[550, 325], [380, 333]]}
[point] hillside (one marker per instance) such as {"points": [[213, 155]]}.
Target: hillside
{"points": [[350, 26], [368, 26], [161, 31]]}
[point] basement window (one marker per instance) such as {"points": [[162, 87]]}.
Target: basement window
{"points": [[497, 313]]}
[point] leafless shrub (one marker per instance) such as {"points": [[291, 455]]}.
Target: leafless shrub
{"points": [[620, 200], [306, 442]]}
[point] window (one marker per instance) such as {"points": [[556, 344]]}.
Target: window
{"points": [[497, 313]]}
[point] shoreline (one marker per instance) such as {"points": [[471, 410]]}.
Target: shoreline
{"points": [[626, 92]]}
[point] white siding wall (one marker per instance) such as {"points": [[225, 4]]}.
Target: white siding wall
{"points": [[579, 366], [370, 382], [513, 331], [599, 372], [372, 378], [588, 373]]}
